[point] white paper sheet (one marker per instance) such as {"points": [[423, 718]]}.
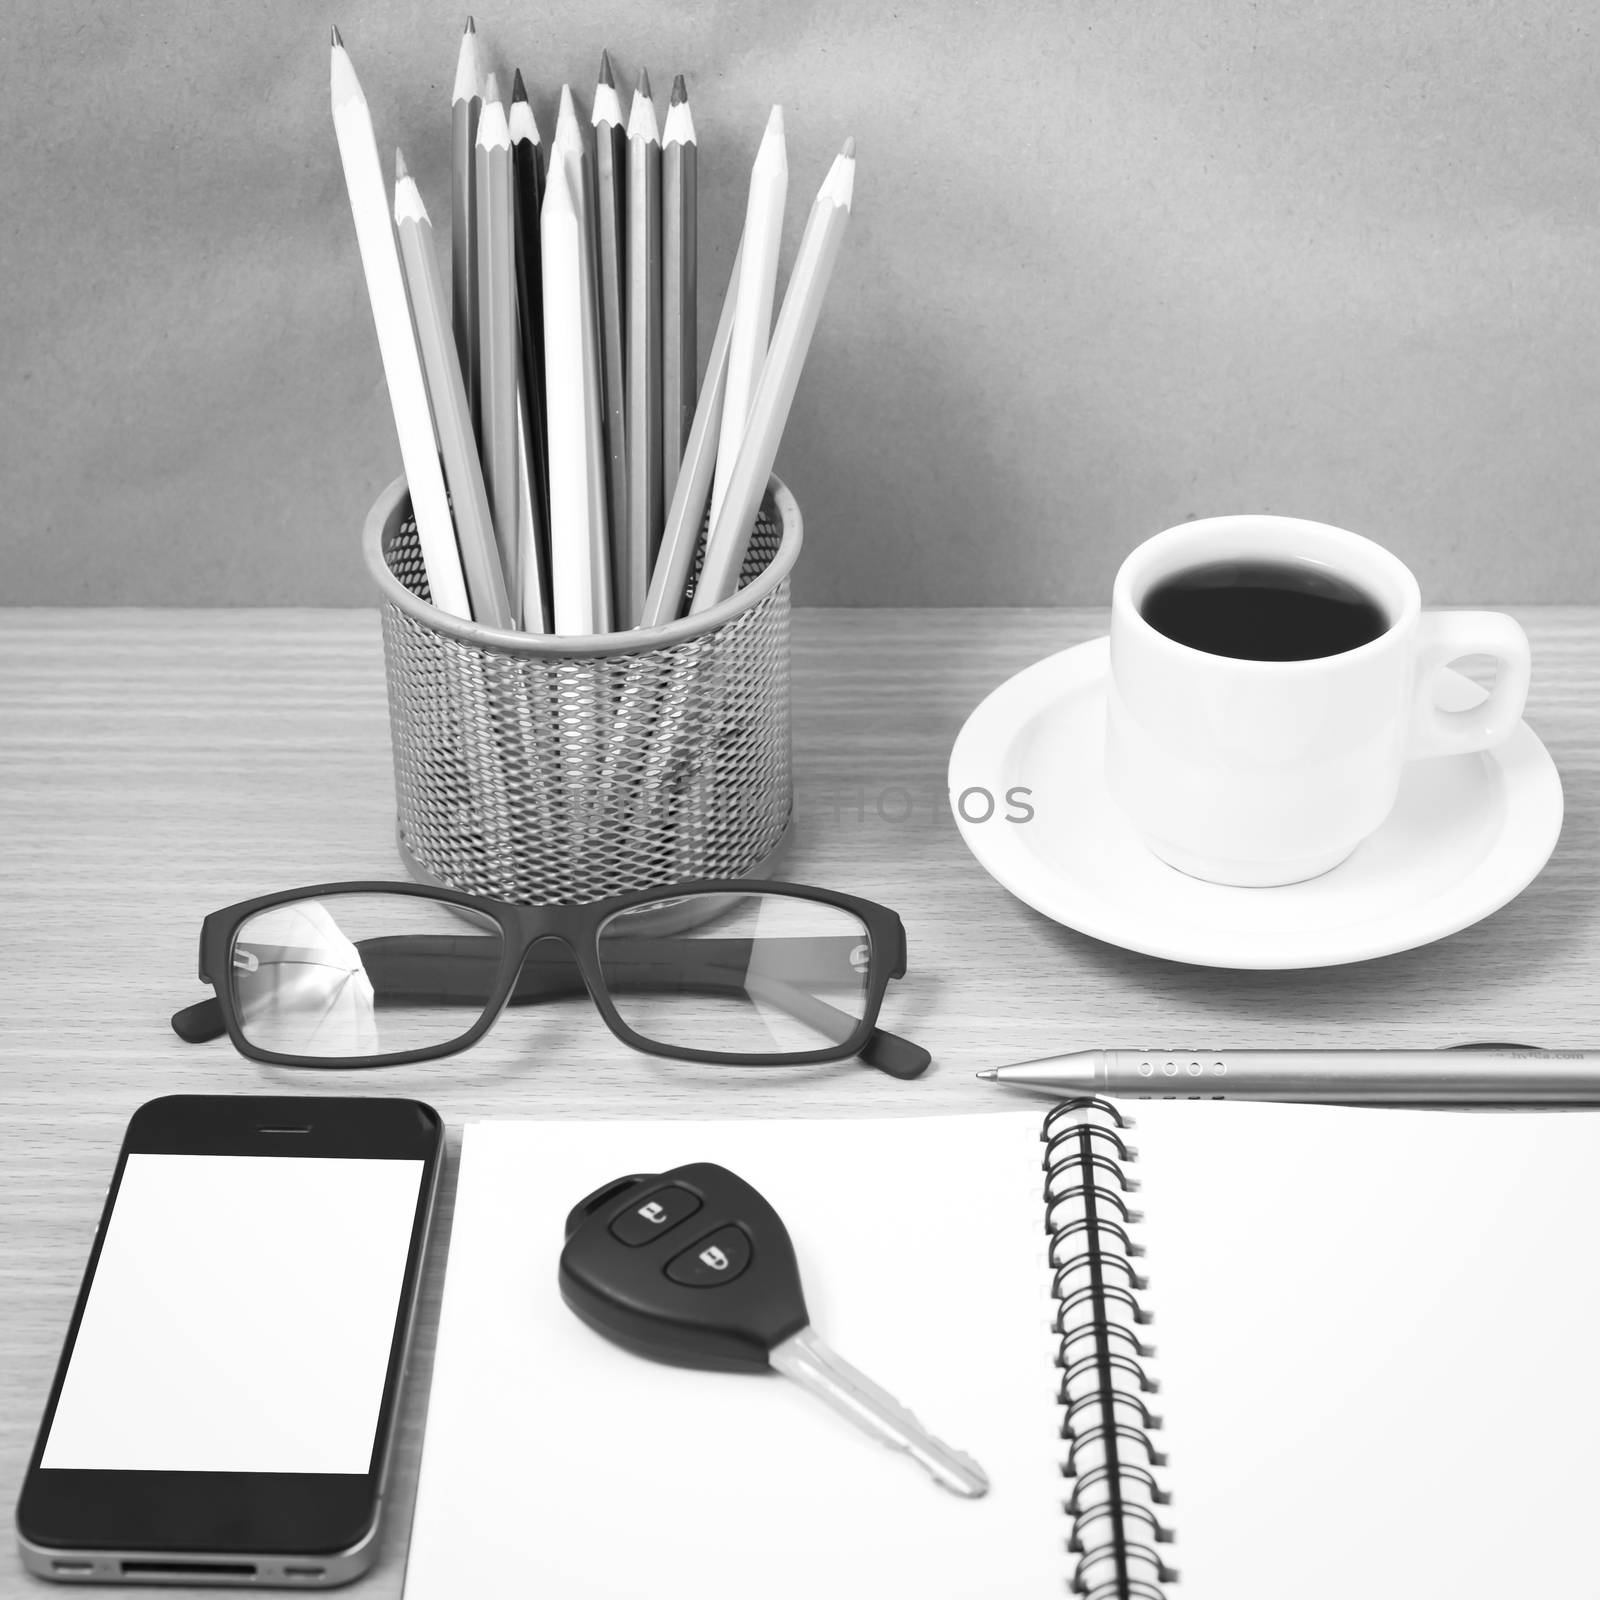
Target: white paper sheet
{"points": [[556, 1465], [1375, 1335]]}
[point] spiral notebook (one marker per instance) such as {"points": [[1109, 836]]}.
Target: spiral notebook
{"points": [[1240, 1352]]}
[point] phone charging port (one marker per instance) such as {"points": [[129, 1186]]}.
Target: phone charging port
{"points": [[179, 1570], [72, 1569], [305, 1574]]}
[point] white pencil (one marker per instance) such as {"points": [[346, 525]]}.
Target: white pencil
{"points": [[567, 144], [681, 536], [402, 364], [635, 549], [498, 351], [758, 277], [769, 411], [680, 345], [452, 416], [611, 295], [561, 243]]}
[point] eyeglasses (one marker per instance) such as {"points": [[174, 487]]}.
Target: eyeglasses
{"points": [[376, 974]]}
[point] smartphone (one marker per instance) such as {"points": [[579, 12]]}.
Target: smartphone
{"points": [[225, 1403]]}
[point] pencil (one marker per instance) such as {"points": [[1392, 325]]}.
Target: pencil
{"points": [[497, 328], [643, 530], [610, 230], [680, 349], [568, 145], [758, 276], [402, 365], [466, 101], [780, 373], [533, 552], [452, 417], [560, 234], [687, 511], [533, 504], [527, 182]]}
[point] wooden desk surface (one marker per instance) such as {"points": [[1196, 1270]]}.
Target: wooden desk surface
{"points": [[157, 765]]}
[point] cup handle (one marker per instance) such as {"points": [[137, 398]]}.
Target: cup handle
{"points": [[1446, 636]]}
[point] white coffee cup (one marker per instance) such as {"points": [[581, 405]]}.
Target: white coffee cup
{"points": [[1256, 772]]}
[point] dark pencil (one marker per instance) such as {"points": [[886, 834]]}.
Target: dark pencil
{"points": [[466, 103], [610, 226], [527, 178], [679, 269]]}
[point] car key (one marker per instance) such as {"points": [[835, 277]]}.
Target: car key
{"points": [[694, 1268]]}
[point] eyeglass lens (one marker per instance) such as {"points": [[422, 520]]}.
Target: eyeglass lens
{"points": [[362, 974], [739, 974]]}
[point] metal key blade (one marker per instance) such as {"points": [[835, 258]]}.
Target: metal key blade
{"points": [[806, 1359]]}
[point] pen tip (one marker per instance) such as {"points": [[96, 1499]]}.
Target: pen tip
{"points": [[989, 1074], [679, 92], [607, 76], [338, 40], [472, 25], [400, 170], [849, 151], [518, 90]]}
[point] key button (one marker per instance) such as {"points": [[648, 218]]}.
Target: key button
{"points": [[718, 1258], [649, 1218]]}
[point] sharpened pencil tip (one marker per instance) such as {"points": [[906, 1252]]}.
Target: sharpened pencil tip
{"points": [[518, 89], [472, 24], [679, 92], [468, 83], [644, 83], [849, 151], [775, 121], [400, 169], [607, 77], [338, 41]]}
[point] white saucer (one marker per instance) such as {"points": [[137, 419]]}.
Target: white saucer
{"points": [[1467, 834]]}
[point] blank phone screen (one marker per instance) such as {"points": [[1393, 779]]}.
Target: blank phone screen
{"points": [[241, 1316]]}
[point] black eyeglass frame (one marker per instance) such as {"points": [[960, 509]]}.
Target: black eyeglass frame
{"points": [[577, 927]]}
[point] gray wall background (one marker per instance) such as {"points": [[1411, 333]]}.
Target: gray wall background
{"points": [[1112, 263]]}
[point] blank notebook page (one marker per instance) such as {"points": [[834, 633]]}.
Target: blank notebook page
{"points": [[1377, 1338], [557, 1465]]}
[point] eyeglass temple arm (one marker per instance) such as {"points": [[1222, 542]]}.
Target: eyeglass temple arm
{"points": [[888, 1052], [200, 1022], [425, 967]]}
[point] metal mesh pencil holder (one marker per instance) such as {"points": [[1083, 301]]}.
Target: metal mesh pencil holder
{"points": [[547, 769]]}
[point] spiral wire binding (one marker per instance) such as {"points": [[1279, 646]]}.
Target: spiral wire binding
{"points": [[1112, 1458]]}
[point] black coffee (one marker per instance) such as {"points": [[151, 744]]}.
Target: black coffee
{"points": [[1264, 611]]}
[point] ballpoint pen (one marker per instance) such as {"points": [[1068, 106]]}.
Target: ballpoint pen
{"points": [[1502, 1074]]}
